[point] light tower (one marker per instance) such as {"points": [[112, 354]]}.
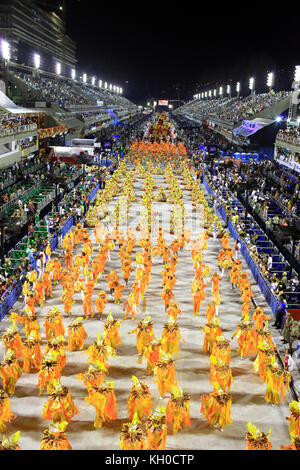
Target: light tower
{"points": [[295, 97], [252, 85]]}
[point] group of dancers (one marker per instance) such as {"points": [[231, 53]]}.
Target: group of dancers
{"points": [[147, 426]]}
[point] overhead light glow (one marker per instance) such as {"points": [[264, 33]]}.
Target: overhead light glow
{"points": [[37, 60], [5, 50], [93, 80], [84, 78], [73, 74], [270, 79], [297, 73], [251, 83], [58, 68]]}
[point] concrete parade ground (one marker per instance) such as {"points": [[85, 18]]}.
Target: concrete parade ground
{"points": [[191, 363]]}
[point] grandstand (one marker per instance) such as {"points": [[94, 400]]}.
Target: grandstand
{"points": [[248, 122]]}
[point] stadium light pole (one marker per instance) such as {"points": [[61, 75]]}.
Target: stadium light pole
{"points": [[229, 90], [221, 91], [270, 80], [238, 88], [252, 85], [58, 68], [5, 51]]}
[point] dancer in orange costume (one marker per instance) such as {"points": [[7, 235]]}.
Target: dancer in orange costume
{"points": [[265, 356], [56, 269], [10, 371], [100, 302], [246, 338], [198, 264], [139, 400], [211, 311], [294, 418], [111, 332], [77, 235], [77, 335], [31, 353], [60, 407], [54, 438], [277, 380], [211, 331], [156, 429], [31, 324], [152, 353], [102, 397], [112, 277], [259, 317], [216, 409], [117, 288], [174, 310], [220, 375], [12, 339], [95, 269], [246, 309], [165, 375], [132, 436], [173, 264], [102, 257], [131, 306], [243, 280], [247, 293], [67, 301], [170, 337], [94, 376], [49, 374], [215, 279], [166, 254], [6, 415], [47, 275], [221, 350], [257, 440], [56, 348], [144, 336], [198, 295], [87, 304], [39, 292], [53, 324], [99, 351], [167, 295], [178, 409], [234, 276], [30, 301]]}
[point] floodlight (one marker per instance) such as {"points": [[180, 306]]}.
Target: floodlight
{"points": [[270, 79], [84, 78], [238, 87], [5, 50], [251, 83], [93, 80], [37, 60], [73, 74], [297, 73], [58, 68]]}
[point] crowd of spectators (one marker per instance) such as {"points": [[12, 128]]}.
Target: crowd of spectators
{"points": [[15, 123], [245, 108], [53, 90], [291, 134]]}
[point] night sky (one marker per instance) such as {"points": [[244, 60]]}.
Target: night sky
{"points": [[171, 52]]}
